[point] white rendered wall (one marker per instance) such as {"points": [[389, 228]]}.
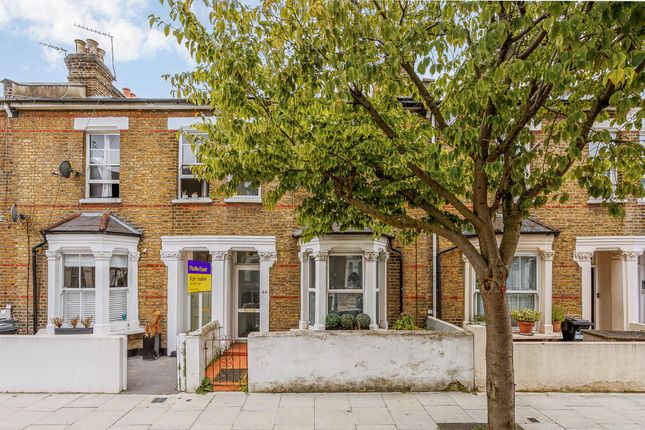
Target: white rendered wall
{"points": [[191, 359], [63, 363], [569, 366], [365, 360]]}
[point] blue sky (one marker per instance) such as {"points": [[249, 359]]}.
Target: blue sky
{"points": [[142, 54]]}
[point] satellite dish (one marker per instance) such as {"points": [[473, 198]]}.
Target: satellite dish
{"points": [[65, 170], [15, 215]]}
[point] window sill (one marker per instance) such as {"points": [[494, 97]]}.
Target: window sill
{"points": [[244, 199], [593, 201], [187, 201], [100, 200]]}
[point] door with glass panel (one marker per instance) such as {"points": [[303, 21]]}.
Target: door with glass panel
{"points": [[200, 303], [247, 300]]}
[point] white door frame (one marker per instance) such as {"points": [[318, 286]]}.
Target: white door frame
{"points": [[236, 288]]}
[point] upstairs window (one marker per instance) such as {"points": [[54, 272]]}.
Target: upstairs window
{"points": [[190, 187], [103, 165], [246, 191], [595, 149]]}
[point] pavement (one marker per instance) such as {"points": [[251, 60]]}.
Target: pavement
{"points": [[152, 376], [359, 411]]}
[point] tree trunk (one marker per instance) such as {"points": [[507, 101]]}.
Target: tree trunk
{"points": [[500, 384]]}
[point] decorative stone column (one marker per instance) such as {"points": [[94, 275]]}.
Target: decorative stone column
{"points": [[221, 290], [584, 261], [304, 290], [267, 259], [619, 299], [321, 289], [133, 289], [173, 260], [54, 265], [546, 291], [632, 293], [468, 289], [369, 294], [382, 280], [102, 291]]}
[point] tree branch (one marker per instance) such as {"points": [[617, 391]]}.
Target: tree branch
{"points": [[429, 101]]}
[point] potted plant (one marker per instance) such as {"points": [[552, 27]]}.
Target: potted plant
{"points": [[73, 325], [526, 319], [152, 339], [557, 316]]}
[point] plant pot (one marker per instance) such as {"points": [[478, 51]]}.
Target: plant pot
{"points": [[557, 326], [526, 327], [151, 347], [73, 330]]}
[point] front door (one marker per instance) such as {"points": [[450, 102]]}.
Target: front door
{"points": [[200, 303], [247, 301]]}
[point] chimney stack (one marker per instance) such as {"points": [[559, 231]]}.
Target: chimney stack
{"points": [[86, 66]]}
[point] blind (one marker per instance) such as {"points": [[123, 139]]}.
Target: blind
{"points": [[76, 260], [119, 261], [71, 304], [118, 304]]}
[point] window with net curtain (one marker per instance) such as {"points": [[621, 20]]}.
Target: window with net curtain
{"points": [[78, 292], [104, 165], [190, 186], [521, 286], [118, 287]]}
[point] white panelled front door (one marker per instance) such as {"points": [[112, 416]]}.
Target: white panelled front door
{"points": [[246, 299]]}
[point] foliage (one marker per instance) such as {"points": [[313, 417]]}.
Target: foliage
{"points": [[332, 321], [348, 321], [405, 322], [87, 321], [557, 313], [363, 321], [74, 321], [57, 321], [205, 387], [526, 315], [479, 319]]}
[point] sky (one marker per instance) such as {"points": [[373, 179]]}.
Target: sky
{"points": [[141, 54]]}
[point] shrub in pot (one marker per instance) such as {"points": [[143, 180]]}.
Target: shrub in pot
{"points": [[405, 322], [363, 321], [152, 338], [526, 319], [332, 321], [348, 321], [557, 316]]}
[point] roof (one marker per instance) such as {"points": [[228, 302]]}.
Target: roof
{"points": [[529, 226], [335, 229], [93, 222]]}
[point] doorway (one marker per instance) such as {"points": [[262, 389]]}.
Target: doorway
{"points": [[246, 315]]}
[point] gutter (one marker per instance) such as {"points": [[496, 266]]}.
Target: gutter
{"points": [[103, 104]]}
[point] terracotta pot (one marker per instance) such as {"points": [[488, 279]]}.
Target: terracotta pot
{"points": [[526, 327], [557, 326]]}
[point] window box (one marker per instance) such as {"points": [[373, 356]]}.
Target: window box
{"points": [[74, 330]]}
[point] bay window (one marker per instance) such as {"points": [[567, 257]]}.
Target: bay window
{"points": [[311, 290], [78, 292], [118, 287], [103, 165], [190, 186], [521, 286], [345, 294]]}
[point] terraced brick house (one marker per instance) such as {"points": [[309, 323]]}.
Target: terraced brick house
{"points": [[117, 235]]}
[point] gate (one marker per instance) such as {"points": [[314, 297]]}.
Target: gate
{"points": [[226, 360]]}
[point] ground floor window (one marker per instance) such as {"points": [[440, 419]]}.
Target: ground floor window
{"points": [[345, 293], [78, 291], [119, 287], [311, 289], [521, 287]]}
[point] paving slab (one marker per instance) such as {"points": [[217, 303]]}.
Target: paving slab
{"points": [[175, 420], [65, 416], [413, 419], [225, 415], [333, 419], [295, 416], [339, 402], [152, 376], [52, 402], [229, 399], [255, 420], [97, 420], [372, 416], [366, 400], [262, 402], [297, 400], [448, 414]]}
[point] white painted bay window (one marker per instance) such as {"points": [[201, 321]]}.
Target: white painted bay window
{"points": [[103, 165], [118, 287], [190, 186], [343, 274]]}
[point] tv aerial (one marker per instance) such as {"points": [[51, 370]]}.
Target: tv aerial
{"points": [[15, 215], [54, 47], [102, 33], [65, 170]]}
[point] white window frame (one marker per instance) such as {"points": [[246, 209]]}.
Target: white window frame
{"points": [[311, 288], [117, 290], [204, 197], [88, 181], [611, 173], [536, 305], [346, 291], [237, 198], [82, 292]]}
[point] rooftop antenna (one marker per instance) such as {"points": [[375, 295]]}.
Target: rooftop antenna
{"points": [[102, 33], [54, 47]]}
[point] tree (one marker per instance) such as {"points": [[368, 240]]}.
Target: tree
{"points": [[329, 97]]}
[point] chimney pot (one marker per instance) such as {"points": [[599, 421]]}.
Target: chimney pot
{"points": [[101, 54], [92, 46], [80, 46], [126, 91]]}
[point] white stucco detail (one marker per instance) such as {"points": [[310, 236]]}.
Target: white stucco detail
{"points": [[101, 123], [173, 249], [187, 122]]}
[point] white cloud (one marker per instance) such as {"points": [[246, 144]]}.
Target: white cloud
{"points": [[53, 22]]}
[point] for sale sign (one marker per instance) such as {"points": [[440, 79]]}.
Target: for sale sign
{"points": [[199, 276]]}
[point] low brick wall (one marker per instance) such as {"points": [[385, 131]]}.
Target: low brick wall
{"points": [[366, 360]]}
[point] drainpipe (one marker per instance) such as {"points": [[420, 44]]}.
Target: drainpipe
{"points": [[438, 266], [400, 254], [34, 278], [434, 275]]}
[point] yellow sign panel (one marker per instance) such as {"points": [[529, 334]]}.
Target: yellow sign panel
{"points": [[199, 276]]}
